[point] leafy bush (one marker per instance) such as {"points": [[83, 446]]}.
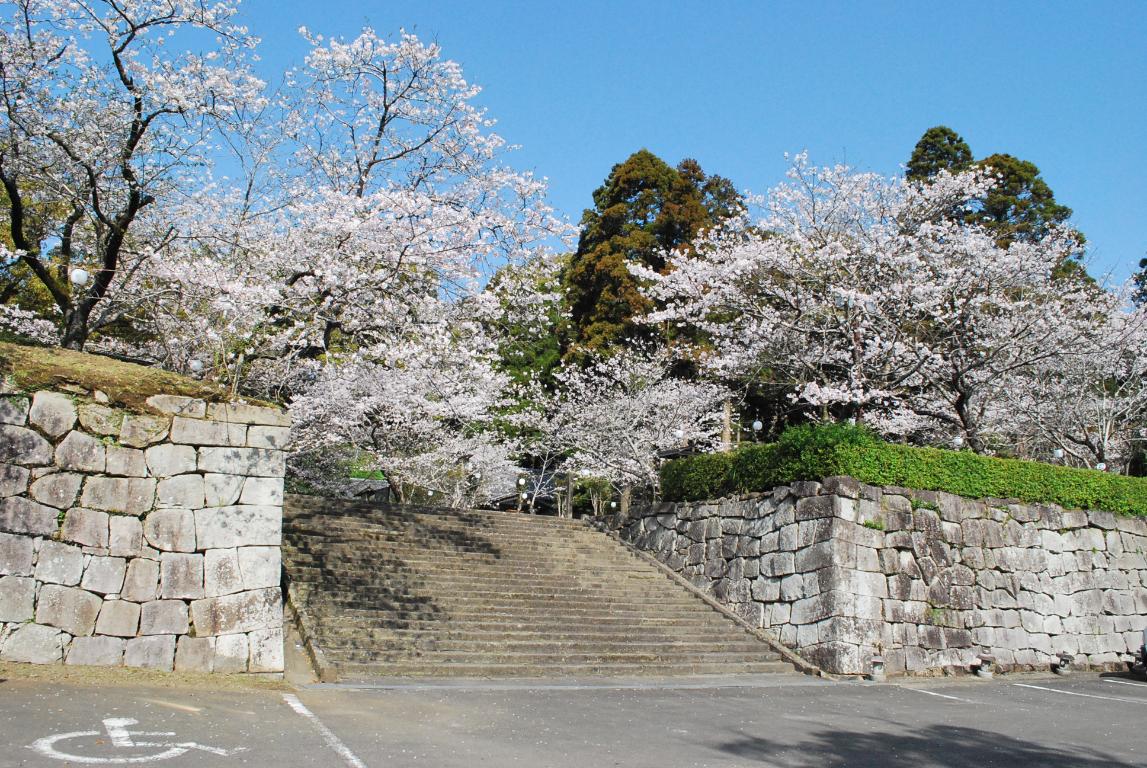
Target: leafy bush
{"points": [[706, 476], [811, 452]]}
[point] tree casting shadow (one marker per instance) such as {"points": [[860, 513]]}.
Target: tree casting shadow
{"points": [[936, 746]]}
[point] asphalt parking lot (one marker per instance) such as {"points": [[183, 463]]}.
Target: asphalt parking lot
{"points": [[791, 722]]}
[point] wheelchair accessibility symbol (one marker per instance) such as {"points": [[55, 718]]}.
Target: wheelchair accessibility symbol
{"points": [[127, 747]]}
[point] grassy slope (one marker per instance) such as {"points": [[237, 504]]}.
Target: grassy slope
{"points": [[127, 385]]}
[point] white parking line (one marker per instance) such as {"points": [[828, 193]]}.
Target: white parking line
{"points": [[1084, 695], [328, 735], [1125, 682], [933, 693]]}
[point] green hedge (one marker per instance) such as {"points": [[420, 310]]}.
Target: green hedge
{"points": [[812, 452]]}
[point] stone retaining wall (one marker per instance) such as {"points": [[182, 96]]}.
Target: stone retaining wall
{"points": [[841, 571], [147, 540]]}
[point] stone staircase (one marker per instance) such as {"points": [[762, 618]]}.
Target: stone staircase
{"points": [[418, 592]]}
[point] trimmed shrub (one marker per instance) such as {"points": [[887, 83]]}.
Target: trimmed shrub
{"points": [[705, 476], [812, 452]]}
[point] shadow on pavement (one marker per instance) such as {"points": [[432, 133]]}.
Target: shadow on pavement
{"points": [[930, 747]]}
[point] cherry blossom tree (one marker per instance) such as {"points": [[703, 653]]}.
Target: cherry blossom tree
{"points": [[872, 303], [1090, 409], [422, 413], [106, 123], [612, 417]]}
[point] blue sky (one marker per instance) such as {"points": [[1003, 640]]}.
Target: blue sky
{"points": [[736, 84]]}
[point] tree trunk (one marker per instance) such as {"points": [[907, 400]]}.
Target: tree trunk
{"points": [[727, 427], [626, 497], [76, 327]]}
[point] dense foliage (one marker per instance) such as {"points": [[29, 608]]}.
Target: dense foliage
{"points": [[813, 452], [643, 211]]}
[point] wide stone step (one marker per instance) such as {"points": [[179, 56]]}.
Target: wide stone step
{"points": [[366, 672], [506, 577], [568, 609], [435, 636], [567, 599], [619, 648], [638, 657], [415, 592], [383, 618]]}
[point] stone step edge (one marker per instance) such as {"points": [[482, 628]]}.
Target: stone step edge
{"points": [[789, 655], [357, 672]]}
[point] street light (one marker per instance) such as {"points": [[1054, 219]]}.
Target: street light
{"points": [[196, 366], [79, 277]]}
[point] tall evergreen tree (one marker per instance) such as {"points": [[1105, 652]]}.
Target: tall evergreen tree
{"points": [[1021, 206], [644, 210], [940, 148]]}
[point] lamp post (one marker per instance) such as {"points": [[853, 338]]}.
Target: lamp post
{"points": [[79, 277]]}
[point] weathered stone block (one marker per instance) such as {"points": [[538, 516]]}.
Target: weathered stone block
{"points": [[53, 413], [86, 526], [242, 525], [814, 507], [266, 651], [170, 530], [268, 437], [23, 446], [248, 414], [242, 612], [181, 491], [104, 575], [203, 432], [180, 576], [142, 581], [153, 652], [59, 563], [14, 410], [130, 495], [178, 405], [842, 485], [126, 462], [141, 431], [81, 452], [70, 609], [17, 598], [223, 490], [804, 488], [169, 460], [163, 617], [21, 515], [15, 555], [125, 537], [195, 654], [253, 462], [118, 618], [231, 653], [100, 419], [221, 573], [13, 479], [96, 652], [34, 644], [57, 490]]}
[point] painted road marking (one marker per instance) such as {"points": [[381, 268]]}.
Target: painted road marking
{"points": [[122, 738], [1125, 682], [328, 735], [933, 693], [1084, 695]]}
